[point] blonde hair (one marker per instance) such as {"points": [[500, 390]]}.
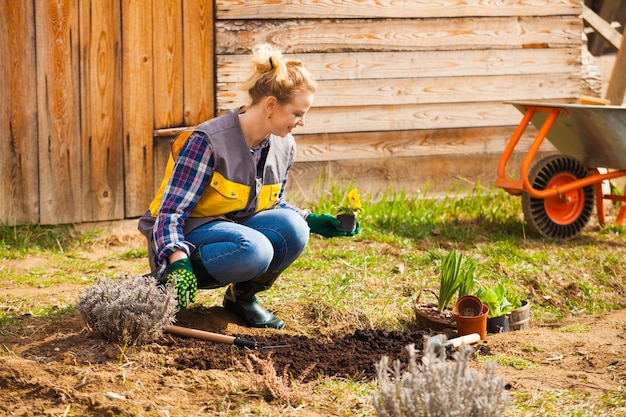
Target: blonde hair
{"points": [[274, 76]]}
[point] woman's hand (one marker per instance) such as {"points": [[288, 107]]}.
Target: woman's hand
{"points": [[186, 284], [326, 225]]}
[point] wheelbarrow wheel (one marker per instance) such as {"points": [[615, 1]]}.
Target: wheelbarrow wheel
{"points": [[555, 217]]}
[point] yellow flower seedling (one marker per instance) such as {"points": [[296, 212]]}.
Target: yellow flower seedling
{"points": [[353, 205]]}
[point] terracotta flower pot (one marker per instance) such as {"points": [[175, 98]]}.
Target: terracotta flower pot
{"points": [[348, 222], [471, 324]]}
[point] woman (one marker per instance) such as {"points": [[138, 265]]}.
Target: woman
{"points": [[220, 216]]}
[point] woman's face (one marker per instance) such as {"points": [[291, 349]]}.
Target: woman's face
{"points": [[286, 117]]}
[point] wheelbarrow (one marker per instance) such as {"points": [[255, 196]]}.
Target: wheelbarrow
{"points": [[558, 192]]}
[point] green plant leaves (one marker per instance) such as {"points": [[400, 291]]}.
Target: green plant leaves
{"points": [[458, 274], [496, 300], [450, 278]]}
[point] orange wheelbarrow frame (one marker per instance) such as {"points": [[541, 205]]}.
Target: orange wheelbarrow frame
{"points": [[564, 191]]}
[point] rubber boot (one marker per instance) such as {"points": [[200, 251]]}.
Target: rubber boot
{"points": [[240, 298]]}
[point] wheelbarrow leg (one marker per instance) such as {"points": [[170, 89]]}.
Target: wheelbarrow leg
{"points": [[599, 194], [622, 211]]}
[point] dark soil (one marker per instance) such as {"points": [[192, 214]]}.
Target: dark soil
{"points": [[351, 356]]}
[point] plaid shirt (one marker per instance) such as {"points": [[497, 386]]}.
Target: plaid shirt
{"points": [[192, 172]]}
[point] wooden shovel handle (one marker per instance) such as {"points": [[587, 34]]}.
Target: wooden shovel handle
{"points": [[200, 334], [463, 340], [210, 336]]}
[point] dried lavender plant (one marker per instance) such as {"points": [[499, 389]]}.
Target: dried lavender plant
{"points": [[272, 386], [131, 310], [439, 388]]}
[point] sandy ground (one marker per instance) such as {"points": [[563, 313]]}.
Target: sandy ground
{"points": [[57, 368]]}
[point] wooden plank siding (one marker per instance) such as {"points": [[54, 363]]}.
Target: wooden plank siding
{"points": [[138, 103], [419, 64], [403, 91], [406, 83], [58, 109], [19, 163], [435, 174], [298, 9], [333, 35], [101, 111], [167, 19], [410, 91], [198, 60]]}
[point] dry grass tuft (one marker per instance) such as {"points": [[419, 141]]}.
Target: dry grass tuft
{"points": [[265, 380]]}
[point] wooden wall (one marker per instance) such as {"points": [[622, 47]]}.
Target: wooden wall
{"points": [[84, 84], [410, 92]]}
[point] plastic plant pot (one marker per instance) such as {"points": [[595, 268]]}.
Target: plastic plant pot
{"points": [[469, 305], [498, 324], [348, 222], [471, 324]]}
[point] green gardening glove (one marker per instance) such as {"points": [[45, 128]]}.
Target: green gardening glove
{"points": [[186, 283], [326, 225]]}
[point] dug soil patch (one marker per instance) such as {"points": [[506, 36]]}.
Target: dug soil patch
{"points": [[58, 365]]}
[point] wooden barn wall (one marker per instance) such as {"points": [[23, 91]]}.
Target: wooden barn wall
{"points": [[410, 92], [84, 84], [19, 164]]}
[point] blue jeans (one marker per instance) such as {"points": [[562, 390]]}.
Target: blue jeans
{"points": [[269, 241]]}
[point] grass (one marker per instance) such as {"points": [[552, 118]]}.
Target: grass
{"points": [[561, 403], [531, 347], [16, 241], [372, 280], [486, 224], [402, 236], [574, 328], [507, 360]]}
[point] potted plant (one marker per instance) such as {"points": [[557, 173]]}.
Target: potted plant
{"points": [[499, 307], [470, 320], [457, 277], [520, 315], [469, 274], [348, 212], [450, 278]]}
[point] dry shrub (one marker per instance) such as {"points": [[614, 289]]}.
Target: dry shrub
{"points": [[439, 388], [131, 310], [274, 387]]}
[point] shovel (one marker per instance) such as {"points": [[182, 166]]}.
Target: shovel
{"points": [[439, 342], [216, 337]]}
